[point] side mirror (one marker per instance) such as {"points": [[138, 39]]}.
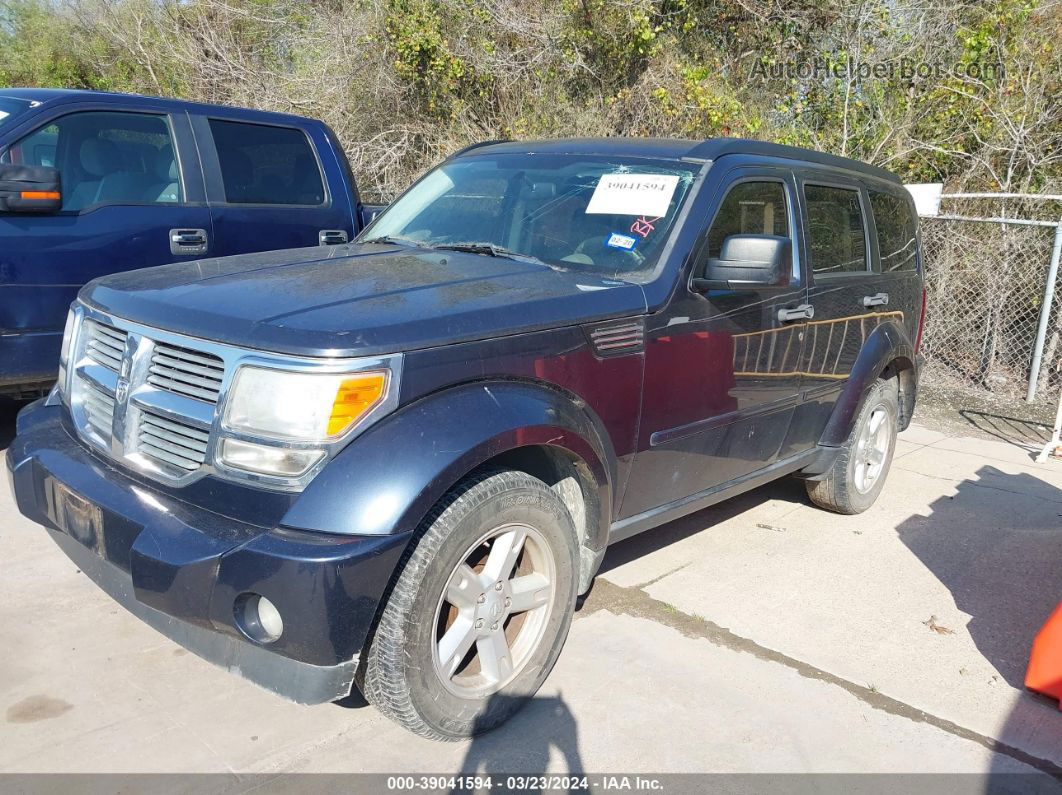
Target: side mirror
{"points": [[748, 261], [369, 212], [29, 189]]}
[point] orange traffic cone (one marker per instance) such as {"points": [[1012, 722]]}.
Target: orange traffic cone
{"points": [[1044, 674]]}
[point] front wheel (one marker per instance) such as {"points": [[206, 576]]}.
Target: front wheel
{"points": [[857, 477], [480, 611]]}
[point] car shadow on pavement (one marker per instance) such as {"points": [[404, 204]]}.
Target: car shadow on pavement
{"points": [[523, 744], [8, 411], [996, 544]]}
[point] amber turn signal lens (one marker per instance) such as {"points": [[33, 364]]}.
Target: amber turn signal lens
{"points": [[354, 398], [39, 194]]}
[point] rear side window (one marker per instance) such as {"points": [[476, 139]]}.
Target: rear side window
{"points": [[261, 164], [835, 230], [895, 224], [750, 208]]}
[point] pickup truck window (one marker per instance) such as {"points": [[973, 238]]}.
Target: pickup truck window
{"points": [[603, 215], [105, 157], [36, 149], [836, 233], [263, 164]]}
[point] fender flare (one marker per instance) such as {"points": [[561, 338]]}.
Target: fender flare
{"points": [[387, 480], [886, 343]]}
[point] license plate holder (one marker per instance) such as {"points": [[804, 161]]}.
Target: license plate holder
{"points": [[76, 516]]}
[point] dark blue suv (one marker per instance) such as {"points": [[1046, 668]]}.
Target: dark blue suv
{"points": [[93, 183], [395, 464]]}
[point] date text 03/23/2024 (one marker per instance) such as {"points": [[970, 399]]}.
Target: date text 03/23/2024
{"points": [[535, 783]]}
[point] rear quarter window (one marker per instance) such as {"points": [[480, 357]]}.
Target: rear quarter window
{"points": [[896, 232]]}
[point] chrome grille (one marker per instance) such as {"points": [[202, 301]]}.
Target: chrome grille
{"points": [[171, 442], [99, 410], [186, 372], [150, 398], [104, 344]]}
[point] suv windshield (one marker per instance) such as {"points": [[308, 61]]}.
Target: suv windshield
{"points": [[11, 109], [604, 215]]}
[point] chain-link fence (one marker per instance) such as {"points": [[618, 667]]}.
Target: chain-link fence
{"points": [[985, 287]]}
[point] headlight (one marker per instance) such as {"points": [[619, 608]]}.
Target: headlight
{"points": [[281, 404], [64, 352]]}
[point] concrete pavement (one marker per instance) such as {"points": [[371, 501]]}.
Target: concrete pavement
{"points": [[762, 635]]}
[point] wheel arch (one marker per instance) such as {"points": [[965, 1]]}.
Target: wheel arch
{"points": [[902, 368], [887, 351], [387, 481], [571, 478]]}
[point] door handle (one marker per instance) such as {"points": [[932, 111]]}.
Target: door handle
{"points": [[802, 312], [331, 237], [878, 299], [188, 241]]}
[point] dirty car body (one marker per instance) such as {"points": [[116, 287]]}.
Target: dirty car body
{"points": [[624, 357]]}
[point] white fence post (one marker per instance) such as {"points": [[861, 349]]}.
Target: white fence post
{"points": [[1045, 315], [1055, 443]]}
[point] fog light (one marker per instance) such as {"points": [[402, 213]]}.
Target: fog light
{"points": [[267, 459], [258, 618]]}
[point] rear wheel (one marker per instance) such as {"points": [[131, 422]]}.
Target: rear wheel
{"points": [[480, 610], [858, 475]]}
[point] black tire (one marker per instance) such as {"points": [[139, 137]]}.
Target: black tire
{"points": [[400, 677], [839, 490]]}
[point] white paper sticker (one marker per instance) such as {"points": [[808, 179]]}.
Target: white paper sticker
{"points": [[633, 194]]}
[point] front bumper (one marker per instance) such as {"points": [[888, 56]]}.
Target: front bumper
{"points": [[180, 568]]}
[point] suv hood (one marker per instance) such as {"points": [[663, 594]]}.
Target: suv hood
{"points": [[359, 299]]}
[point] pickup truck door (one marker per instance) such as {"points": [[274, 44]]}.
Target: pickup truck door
{"points": [[132, 195], [274, 186], [722, 368]]}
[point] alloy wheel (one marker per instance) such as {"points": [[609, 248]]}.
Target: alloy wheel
{"points": [[492, 613]]}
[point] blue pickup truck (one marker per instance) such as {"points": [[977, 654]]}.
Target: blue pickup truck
{"points": [[94, 183]]}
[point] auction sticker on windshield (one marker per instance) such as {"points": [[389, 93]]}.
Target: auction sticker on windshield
{"points": [[633, 194], [617, 240]]}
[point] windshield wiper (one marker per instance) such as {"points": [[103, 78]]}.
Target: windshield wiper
{"points": [[486, 249], [399, 241], [490, 250]]}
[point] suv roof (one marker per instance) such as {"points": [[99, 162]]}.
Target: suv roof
{"points": [[711, 149]]}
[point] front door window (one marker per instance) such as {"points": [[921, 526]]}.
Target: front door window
{"points": [[105, 158]]}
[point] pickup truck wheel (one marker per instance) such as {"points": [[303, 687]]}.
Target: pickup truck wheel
{"points": [[858, 475], [479, 613]]}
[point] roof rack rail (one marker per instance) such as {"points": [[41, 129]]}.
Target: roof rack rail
{"points": [[714, 148]]}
